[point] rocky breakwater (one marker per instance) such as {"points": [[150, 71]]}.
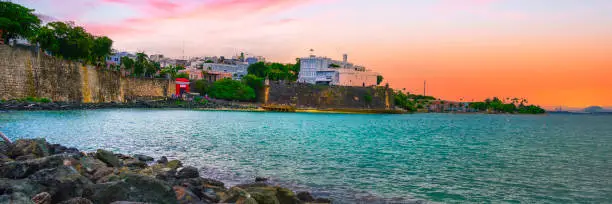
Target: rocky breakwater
{"points": [[34, 171]]}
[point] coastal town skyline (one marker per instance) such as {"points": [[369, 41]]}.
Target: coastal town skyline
{"points": [[470, 49]]}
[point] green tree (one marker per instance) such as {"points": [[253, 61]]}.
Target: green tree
{"points": [[201, 86], [531, 109], [258, 69], [17, 20], [256, 83], [275, 71], [141, 64], [232, 90], [402, 101], [66, 40], [101, 49], [128, 63], [379, 79]]}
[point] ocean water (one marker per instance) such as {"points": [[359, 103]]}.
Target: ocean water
{"points": [[444, 158]]}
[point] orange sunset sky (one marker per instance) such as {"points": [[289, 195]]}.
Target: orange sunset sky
{"points": [[552, 52]]}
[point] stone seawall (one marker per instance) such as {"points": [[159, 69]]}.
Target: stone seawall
{"points": [[29, 73], [329, 97]]}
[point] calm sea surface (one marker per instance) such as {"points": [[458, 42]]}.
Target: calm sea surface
{"points": [[360, 158]]}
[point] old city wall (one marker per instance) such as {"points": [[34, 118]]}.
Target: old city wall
{"points": [[28, 73], [329, 97]]}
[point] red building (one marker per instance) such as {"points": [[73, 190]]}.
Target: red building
{"points": [[182, 86]]}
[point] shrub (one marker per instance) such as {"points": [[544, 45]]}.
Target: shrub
{"points": [[201, 86], [232, 90], [44, 100], [182, 75]]}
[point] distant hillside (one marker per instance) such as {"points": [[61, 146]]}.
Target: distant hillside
{"points": [[596, 109]]}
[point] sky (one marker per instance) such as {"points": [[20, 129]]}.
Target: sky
{"points": [[552, 52]]}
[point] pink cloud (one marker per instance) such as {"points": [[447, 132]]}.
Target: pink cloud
{"points": [[160, 10]]}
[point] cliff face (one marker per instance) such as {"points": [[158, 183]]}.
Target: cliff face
{"points": [[29, 73], [329, 97]]}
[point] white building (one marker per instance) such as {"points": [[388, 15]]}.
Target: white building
{"points": [[323, 70]]}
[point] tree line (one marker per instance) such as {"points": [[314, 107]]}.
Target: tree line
{"points": [[61, 39], [275, 71], [512, 105]]}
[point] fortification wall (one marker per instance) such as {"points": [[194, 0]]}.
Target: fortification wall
{"points": [[329, 97], [28, 73]]}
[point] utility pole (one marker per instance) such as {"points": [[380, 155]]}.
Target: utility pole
{"points": [[425, 88]]}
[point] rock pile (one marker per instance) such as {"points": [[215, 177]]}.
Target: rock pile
{"points": [[34, 171]]}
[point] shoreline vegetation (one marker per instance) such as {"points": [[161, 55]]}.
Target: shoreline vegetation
{"points": [[35, 171], [36, 104]]}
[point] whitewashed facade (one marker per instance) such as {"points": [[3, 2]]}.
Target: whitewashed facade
{"points": [[323, 70]]}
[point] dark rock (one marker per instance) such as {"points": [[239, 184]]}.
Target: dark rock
{"points": [[18, 191], [62, 182], [4, 147], [100, 173], [261, 179], [238, 195], [25, 157], [56, 149], [4, 158], [123, 157], [200, 187], [108, 157], [78, 200], [161, 172], [42, 198], [127, 202], [36, 147], [305, 196], [185, 196], [72, 150], [187, 172], [210, 195], [143, 158], [134, 163], [163, 160], [91, 164], [22, 169], [133, 188]]}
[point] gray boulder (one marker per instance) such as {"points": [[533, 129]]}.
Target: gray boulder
{"points": [[36, 147], [18, 191], [185, 196], [22, 169], [63, 183], [134, 163], [133, 187], [143, 158], [187, 172], [108, 157]]}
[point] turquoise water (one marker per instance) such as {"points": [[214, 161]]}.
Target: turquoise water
{"points": [[360, 158]]}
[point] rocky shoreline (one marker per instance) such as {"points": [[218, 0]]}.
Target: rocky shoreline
{"points": [[35, 171], [165, 103]]}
